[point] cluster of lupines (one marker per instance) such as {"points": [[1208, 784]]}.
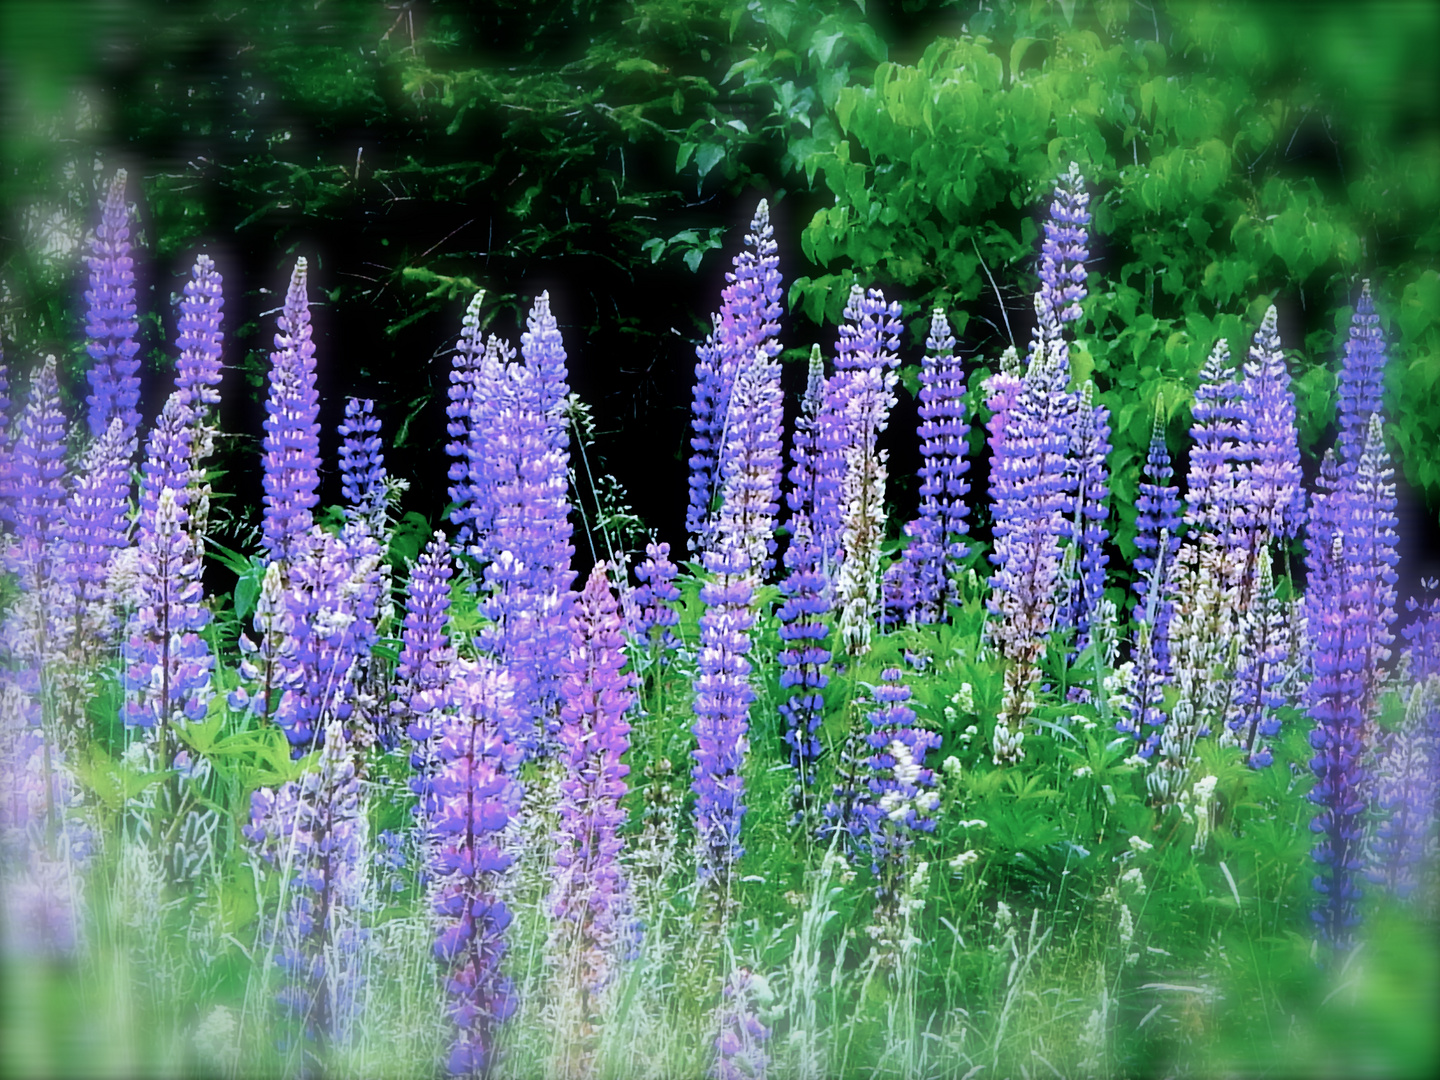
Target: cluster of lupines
{"points": [[511, 443], [549, 674]]}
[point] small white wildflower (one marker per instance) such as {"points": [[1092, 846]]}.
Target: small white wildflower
{"points": [[974, 823], [1135, 761], [1138, 845], [1135, 879], [1084, 770], [965, 699], [961, 861], [951, 766], [1127, 926]]}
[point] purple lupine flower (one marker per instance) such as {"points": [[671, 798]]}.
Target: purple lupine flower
{"points": [[806, 591], [722, 711], [92, 530], [1158, 512], [1361, 384], [709, 432], [1063, 254], [1002, 391], [45, 845], [267, 660], [543, 351], [1031, 493], [899, 797], [330, 603], [7, 452], [362, 464], [854, 410], [743, 546], [919, 585], [198, 368], [474, 370], [1089, 448], [750, 489], [524, 497], [313, 831], [1371, 528], [944, 433], [803, 656], [168, 663], [39, 481], [739, 1048], [590, 902], [748, 319], [292, 434], [1333, 698], [110, 324], [1349, 608], [31, 553], [653, 600], [804, 440], [1217, 434], [1269, 477], [1260, 674], [478, 796], [1422, 633], [425, 659], [1151, 665], [1407, 768]]}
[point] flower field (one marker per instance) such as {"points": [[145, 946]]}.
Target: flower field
{"points": [[806, 799]]}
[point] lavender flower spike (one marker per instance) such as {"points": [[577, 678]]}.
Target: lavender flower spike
{"points": [[590, 901], [478, 796], [93, 529], [748, 319], [739, 1048], [110, 324], [1158, 514], [1063, 255], [198, 369], [362, 465], [1361, 378], [292, 433], [7, 451]]}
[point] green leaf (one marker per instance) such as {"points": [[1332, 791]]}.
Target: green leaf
{"points": [[708, 156]]}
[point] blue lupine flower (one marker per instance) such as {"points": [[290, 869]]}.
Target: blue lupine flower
{"points": [[590, 902], [748, 319], [291, 458], [110, 323]]}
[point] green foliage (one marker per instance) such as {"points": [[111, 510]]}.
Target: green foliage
{"points": [[1200, 219]]}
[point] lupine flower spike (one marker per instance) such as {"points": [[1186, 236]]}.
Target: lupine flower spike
{"points": [[110, 323], [292, 432], [313, 832], [857, 407], [1361, 384], [748, 319], [723, 694], [590, 901], [478, 795]]}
